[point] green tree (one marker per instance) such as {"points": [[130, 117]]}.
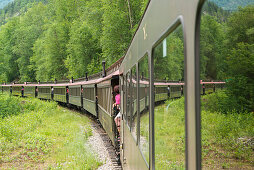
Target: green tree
{"points": [[29, 29], [240, 58], [211, 49], [7, 57], [120, 20], [82, 48]]}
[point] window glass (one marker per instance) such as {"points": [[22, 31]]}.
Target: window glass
{"points": [[169, 114], [134, 102], [128, 102], [88, 93], [143, 67]]}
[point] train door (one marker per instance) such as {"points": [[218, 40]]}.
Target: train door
{"points": [[96, 101], [122, 85], [36, 91], [116, 113], [81, 96], [67, 95]]}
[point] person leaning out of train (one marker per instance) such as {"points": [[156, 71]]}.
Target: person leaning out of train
{"points": [[116, 107]]}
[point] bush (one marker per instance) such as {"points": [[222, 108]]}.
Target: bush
{"points": [[222, 102], [9, 106]]}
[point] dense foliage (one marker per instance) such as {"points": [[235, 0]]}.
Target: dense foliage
{"points": [[227, 53], [60, 39], [63, 39]]}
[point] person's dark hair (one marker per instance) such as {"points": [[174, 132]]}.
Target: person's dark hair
{"points": [[116, 89]]}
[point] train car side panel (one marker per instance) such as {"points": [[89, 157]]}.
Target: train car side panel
{"points": [[107, 123], [89, 99], [75, 95], [105, 103], [44, 92], [6, 89], [134, 158], [29, 91], [16, 90], [60, 94], [89, 105]]}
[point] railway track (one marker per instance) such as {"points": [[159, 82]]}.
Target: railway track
{"points": [[108, 144], [99, 131]]}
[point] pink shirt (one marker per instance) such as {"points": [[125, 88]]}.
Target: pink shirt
{"points": [[118, 99]]}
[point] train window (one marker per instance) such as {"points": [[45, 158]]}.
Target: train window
{"points": [[89, 93], [74, 91], [134, 102], [44, 90], [169, 114], [128, 101], [104, 98], [124, 96], [227, 87], [60, 91], [143, 115]]}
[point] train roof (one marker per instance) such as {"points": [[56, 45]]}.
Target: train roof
{"points": [[94, 81]]}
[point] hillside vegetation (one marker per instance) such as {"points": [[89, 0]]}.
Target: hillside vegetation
{"points": [[75, 34], [56, 39], [37, 134]]}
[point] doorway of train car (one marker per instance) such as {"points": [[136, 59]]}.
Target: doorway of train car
{"points": [[115, 92], [116, 107], [169, 114], [36, 92], [67, 95], [116, 111]]}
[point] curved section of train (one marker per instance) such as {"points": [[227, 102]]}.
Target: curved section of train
{"points": [[94, 94]]}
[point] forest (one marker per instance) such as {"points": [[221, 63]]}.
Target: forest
{"points": [[64, 38], [59, 39]]}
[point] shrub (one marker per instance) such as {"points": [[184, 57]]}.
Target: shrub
{"points": [[222, 102], [9, 106]]}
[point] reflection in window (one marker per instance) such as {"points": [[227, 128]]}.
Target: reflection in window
{"points": [[169, 106], [169, 58], [128, 104], [134, 102], [144, 106]]}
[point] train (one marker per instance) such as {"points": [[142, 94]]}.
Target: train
{"points": [[140, 91]]}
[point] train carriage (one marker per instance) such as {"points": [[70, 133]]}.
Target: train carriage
{"points": [[161, 93], [44, 92], [176, 90], [6, 89], [209, 88], [89, 98], [150, 33], [60, 94], [75, 97], [16, 90], [29, 91], [105, 103]]}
